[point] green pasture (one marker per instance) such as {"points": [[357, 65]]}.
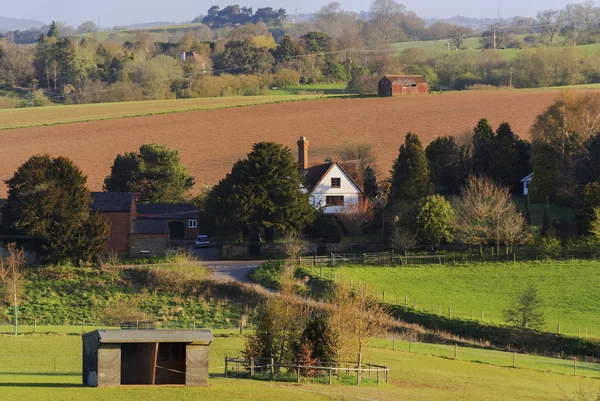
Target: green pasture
{"points": [[48, 367], [568, 289]]}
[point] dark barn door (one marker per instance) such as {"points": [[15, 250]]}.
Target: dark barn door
{"points": [[176, 230]]}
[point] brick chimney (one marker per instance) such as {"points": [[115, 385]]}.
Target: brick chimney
{"points": [[303, 153]]}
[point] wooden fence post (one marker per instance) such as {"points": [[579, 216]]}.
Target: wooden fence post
{"points": [[35, 325], [455, 351], [559, 328], [271, 369], [226, 365], [575, 366], [386, 371], [449, 311], [383, 296], [330, 381], [378, 378], [439, 309], [298, 373], [251, 367], [514, 359], [482, 316], [315, 260], [394, 341], [405, 301]]}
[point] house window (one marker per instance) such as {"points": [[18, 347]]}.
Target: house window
{"points": [[336, 182], [334, 201], [192, 223]]}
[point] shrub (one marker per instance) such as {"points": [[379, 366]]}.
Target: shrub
{"points": [[286, 77], [550, 247], [7, 102], [480, 87], [122, 311], [268, 274]]}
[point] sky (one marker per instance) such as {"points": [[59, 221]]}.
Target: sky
{"points": [[123, 12]]}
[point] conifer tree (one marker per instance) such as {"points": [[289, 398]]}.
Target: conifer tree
{"points": [[262, 192], [527, 212], [48, 198], [154, 174], [410, 173], [546, 224], [483, 136]]}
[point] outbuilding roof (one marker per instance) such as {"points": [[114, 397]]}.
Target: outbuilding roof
{"points": [[112, 201], [167, 211], [199, 337], [528, 177], [406, 79]]}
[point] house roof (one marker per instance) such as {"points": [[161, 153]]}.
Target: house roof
{"points": [[112, 201], [149, 226], [528, 177], [167, 211], [200, 337], [315, 174], [406, 79]]}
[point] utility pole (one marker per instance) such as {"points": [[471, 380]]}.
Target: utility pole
{"points": [[16, 310], [494, 38], [510, 85]]}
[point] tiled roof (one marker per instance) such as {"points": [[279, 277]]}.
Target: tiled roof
{"points": [[167, 211], [406, 79], [112, 201]]}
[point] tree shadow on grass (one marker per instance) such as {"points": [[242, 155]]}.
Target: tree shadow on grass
{"points": [[39, 374], [47, 385]]}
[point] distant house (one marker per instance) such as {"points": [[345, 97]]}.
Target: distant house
{"points": [[201, 62], [144, 228], [526, 183], [330, 185], [402, 85]]}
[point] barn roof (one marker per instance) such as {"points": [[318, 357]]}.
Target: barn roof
{"points": [[315, 174], [112, 201], [406, 79], [167, 211], [149, 226], [201, 337]]}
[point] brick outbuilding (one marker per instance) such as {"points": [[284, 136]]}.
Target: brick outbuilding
{"points": [[402, 85], [119, 209]]}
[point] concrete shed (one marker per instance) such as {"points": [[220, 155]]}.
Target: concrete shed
{"points": [[145, 357]]}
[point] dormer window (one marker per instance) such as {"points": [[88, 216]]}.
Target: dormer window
{"points": [[336, 183]]}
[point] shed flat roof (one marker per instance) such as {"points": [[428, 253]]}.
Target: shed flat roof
{"points": [[200, 337]]}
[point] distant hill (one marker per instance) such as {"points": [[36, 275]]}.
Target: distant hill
{"points": [[146, 25], [12, 24], [475, 23]]}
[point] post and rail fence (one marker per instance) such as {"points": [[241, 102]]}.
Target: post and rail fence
{"points": [[269, 368]]}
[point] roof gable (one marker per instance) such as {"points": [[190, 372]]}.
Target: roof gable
{"points": [[315, 175], [167, 211], [112, 201], [406, 79]]}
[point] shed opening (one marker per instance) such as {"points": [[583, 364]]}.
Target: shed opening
{"points": [[153, 363]]}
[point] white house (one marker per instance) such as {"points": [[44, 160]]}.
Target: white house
{"points": [[330, 185], [526, 183]]}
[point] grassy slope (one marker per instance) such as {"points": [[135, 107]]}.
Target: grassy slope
{"points": [[568, 289], [27, 372], [28, 117]]}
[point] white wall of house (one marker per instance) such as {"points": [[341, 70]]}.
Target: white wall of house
{"points": [[527, 183], [347, 190]]}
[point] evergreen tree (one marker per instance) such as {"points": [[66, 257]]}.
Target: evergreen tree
{"points": [[509, 157], [53, 31], [435, 221], [583, 209], [527, 211], [154, 174], [547, 223], [371, 188], [483, 136], [262, 192], [48, 198], [410, 173], [446, 165], [286, 49], [545, 171]]}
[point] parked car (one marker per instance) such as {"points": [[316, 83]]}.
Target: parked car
{"points": [[202, 241]]}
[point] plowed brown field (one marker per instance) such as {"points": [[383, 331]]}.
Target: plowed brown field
{"points": [[211, 141]]}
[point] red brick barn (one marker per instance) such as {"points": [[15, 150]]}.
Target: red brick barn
{"points": [[403, 85], [120, 210], [181, 218]]}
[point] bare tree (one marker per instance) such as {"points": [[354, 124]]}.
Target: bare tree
{"points": [[486, 213], [385, 10], [12, 275], [355, 215], [294, 245], [403, 238], [16, 67], [458, 35], [355, 319], [550, 22], [358, 150]]}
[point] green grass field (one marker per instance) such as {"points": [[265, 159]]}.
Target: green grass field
{"points": [[568, 289], [48, 367], [30, 117]]}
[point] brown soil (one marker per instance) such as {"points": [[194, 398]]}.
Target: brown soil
{"points": [[209, 142]]}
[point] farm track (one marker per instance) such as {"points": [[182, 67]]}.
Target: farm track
{"points": [[210, 141]]}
